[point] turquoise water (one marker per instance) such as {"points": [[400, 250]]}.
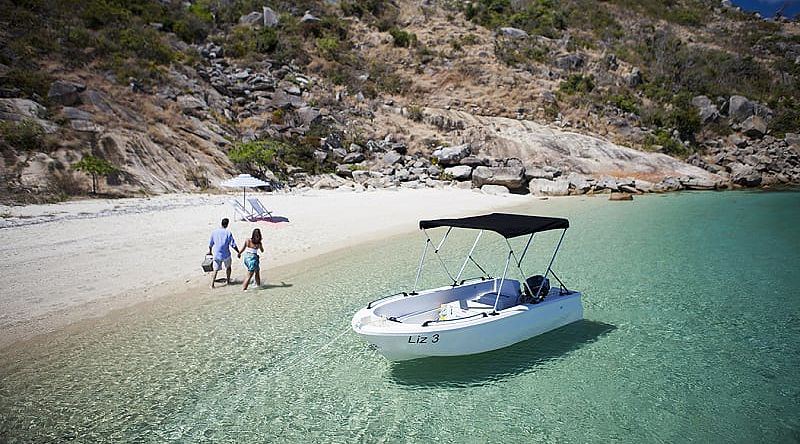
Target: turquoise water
{"points": [[691, 334]]}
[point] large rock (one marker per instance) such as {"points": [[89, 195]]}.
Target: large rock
{"points": [[513, 33], [494, 190], [706, 108], [570, 62], [620, 196], [459, 172], [744, 175], [354, 158], [189, 103], [544, 187], [71, 113], [271, 17], [698, 183], [754, 127], [308, 115], [65, 93], [740, 108], [328, 182], [634, 78], [792, 139], [473, 161], [579, 183], [308, 17], [451, 155], [252, 19], [21, 109], [567, 151], [392, 157], [344, 171], [18, 110], [98, 100], [510, 177]]}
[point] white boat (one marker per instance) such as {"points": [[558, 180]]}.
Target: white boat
{"points": [[474, 315]]}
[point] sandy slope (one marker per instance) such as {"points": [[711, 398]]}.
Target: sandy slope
{"points": [[76, 260]]}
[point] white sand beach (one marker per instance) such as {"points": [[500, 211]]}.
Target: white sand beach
{"points": [[81, 259]]}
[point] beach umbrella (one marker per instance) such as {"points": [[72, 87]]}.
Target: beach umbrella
{"points": [[245, 181]]}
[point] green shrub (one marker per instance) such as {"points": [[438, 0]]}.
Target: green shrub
{"points": [[254, 157], [26, 135], [278, 115], [328, 47], [29, 81], [266, 40], [259, 156], [515, 52], [686, 17], [385, 79], [685, 118], [146, 43], [100, 13], [668, 145], [542, 17], [415, 113], [577, 84], [625, 102], [94, 167], [786, 117], [403, 39]]}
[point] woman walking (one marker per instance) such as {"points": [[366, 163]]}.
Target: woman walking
{"points": [[251, 259]]}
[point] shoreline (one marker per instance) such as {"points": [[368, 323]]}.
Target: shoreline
{"points": [[94, 267], [87, 259]]}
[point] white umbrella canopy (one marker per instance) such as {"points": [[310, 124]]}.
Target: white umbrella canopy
{"points": [[245, 181]]}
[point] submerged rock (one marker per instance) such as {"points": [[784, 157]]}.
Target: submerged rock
{"points": [[620, 196]]}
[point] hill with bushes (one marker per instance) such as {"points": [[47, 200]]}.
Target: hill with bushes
{"points": [[540, 96]]}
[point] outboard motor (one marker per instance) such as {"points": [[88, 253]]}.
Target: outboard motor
{"points": [[534, 283]]}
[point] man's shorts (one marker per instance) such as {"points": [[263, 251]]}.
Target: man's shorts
{"points": [[218, 263]]}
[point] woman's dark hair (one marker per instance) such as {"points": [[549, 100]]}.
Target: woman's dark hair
{"points": [[256, 236]]}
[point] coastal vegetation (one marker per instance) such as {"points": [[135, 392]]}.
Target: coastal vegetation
{"points": [[94, 167], [268, 88]]}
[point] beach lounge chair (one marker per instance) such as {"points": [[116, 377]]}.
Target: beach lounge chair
{"points": [[240, 212], [259, 210]]}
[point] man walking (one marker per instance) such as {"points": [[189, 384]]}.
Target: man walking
{"points": [[220, 246]]}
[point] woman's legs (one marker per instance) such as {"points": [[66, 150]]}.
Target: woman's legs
{"points": [[247, 280], [258, 276]]}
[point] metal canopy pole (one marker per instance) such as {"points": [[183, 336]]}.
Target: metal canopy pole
{"points": [[500, 290], [421, 261], [551, 261], [525, 251], [436, 251], [469, 256], [523, 281]]}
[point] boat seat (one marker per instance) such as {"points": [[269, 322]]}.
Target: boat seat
{"points": [[487, 300]]}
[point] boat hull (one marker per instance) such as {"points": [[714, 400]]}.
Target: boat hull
{"points": [[400, 342]]}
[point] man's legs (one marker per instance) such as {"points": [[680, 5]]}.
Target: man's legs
{"points": [[227, 262], [213, 278]]}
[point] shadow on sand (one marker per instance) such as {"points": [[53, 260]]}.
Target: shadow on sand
{"points": [[497, 365], [273, 285], [274, 219]]}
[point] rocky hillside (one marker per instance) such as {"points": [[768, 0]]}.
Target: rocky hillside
{"points": [[540, 96]]}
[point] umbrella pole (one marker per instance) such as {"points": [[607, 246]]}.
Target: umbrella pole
{"points": [[244, 198]]}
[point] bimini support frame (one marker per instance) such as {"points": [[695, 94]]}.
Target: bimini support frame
{"points": [[550, 265], [511, 254]]}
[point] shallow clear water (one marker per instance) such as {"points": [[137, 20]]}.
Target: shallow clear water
{"points": [[691, 334]]}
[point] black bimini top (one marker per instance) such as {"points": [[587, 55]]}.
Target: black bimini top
{"points": [[507, 225]]}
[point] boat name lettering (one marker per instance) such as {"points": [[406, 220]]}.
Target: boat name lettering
{"points": [[419, 339]]}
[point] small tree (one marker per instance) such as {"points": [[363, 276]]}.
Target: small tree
{"points": [[94, 166]]}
